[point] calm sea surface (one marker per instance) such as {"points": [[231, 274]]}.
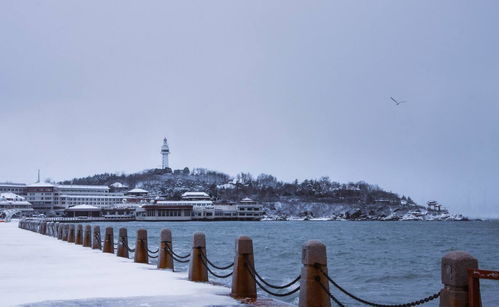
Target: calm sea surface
{"points": [[383, 262]]}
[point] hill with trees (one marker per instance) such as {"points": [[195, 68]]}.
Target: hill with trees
{"points": [[310, 198]]}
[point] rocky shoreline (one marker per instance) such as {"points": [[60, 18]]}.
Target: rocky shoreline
{"points": [[280, 211]]}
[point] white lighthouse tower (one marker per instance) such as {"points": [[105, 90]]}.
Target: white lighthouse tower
{"points": [[165, 151]]}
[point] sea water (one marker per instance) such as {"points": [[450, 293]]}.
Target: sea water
{"points": [[382, 262]]}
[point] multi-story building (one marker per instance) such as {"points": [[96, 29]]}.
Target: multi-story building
{"points": [[249, 209], [198, 206], [92, 195], [16, 188], [41, 196], [47, 197]]}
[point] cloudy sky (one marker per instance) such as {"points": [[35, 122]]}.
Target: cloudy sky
{"points": [[298, 89]]}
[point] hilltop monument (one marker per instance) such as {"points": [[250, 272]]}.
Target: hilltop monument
{"points": [[165, 151]]}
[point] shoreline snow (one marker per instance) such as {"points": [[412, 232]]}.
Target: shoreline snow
{"points": [[37, 269]]}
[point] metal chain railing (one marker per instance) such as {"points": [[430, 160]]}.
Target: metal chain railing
{"points": [[270, 292], [211, 272], [97, 236], [414, 303], [254, 272], [132, 250], [153, 252], [256, 279], [216, 266], [318, 279], [170, 250]]}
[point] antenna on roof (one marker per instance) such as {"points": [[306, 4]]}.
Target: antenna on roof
{"points": [[38, 181]]}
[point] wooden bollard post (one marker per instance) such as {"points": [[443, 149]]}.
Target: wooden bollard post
{"points": [[71, 235], [122, 243], [197, 271], [59, 231], [96, 242], [243, 284], [314, 260], [42, 228], [57, 225], [87, 236], [455, 278], [65, 232], [108, 241], [64, 236], [165, 260], [79, 234], [141, 255]]}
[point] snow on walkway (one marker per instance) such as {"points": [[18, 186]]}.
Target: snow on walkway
{"points": [[36, 268]]}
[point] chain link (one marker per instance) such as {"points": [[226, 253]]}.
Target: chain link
{"points": [[410, 304]]}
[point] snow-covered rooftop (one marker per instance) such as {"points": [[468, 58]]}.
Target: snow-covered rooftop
{"points": [[138, 190], [83, 207], [12, 184], [41, 184], [183, 202], [82, 187], [118, 185], [195, 195], [91, 196], [11, 196]]}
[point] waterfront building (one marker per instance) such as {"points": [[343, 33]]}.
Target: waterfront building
{"points": [[249, 209], [14, 202], [198, 206], [162, 211], [47, 197], [82, 211], [119, 212], [42, 196], [118, 187], [16, 188], [137, 192], [165, 151]]}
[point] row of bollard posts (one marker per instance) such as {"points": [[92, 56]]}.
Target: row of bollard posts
{"points": [[314, 284]]}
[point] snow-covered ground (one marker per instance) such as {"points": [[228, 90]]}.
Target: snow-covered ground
{"points": [[43, 270]]}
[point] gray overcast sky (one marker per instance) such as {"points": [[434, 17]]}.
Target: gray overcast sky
{"points": [[297, 89]]}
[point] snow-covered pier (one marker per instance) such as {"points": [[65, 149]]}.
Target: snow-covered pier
{"points": [[72, 272], [36, 268]]}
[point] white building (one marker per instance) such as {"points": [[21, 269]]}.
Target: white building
{"points": [[165, 151], [199, 206], [50, 197], [13, 201], [16, 188]]}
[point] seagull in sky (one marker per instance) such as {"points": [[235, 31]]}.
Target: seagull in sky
{"points": [[396, 101]]}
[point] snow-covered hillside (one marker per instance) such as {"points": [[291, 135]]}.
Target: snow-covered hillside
{"points": [[310, 199]]}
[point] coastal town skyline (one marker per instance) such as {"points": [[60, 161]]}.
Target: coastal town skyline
{"points": [[257, 153], [296, 91]]}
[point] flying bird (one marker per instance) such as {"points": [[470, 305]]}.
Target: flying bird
{"points": [[397, 102]]}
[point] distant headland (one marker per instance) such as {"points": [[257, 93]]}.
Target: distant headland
{"points": [[310, 199]]}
